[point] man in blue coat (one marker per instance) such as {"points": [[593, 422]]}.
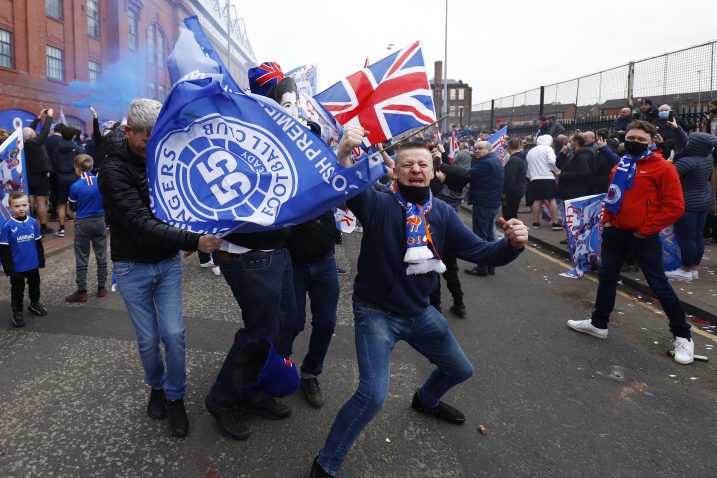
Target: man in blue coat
{"points": [[406, 232], [486, 181]]}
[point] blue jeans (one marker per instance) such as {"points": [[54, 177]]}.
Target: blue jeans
{"points": [[616, 245], [690, 229], [152, 294], [262, 284], [484, 227], [376, 334], [321, 282]]}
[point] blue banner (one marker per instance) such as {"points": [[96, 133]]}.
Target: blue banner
{"points": [[12, 167], [220, 160]]}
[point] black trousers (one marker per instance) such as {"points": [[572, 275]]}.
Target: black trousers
{"points": [[452, 281], [17, 288], [510, 207]]}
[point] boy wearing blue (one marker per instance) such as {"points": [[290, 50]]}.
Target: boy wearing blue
{"points": [[22, 256], [86, 201]]}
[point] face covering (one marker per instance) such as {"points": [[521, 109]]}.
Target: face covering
{"points": [[414, 194], [664, 114], [633, 148]]}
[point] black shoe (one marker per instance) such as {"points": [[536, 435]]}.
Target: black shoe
{"points": [[476, 272], [341, 272], [556, 227], [17, 319], [536, 225], [272, 409], [459, 311], [317, 471], [312, 392], [37, 309], [491, 272], [178, 421], [564, 241], [46, 231], [157, 406], [442, 411], [229, 420]]}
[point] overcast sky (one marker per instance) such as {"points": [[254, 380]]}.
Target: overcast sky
{"points": [[498, 47]]}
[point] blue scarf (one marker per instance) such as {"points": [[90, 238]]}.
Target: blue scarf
{"points": [[421, 255], [622, 181]]}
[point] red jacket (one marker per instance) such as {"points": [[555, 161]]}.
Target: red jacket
{"points": [[655, 200]]}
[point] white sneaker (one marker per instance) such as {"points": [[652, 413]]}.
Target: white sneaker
{"points": [[205, 265], [586, 327], [216, 271], [679, 274], [695, 275], [684, 351]]}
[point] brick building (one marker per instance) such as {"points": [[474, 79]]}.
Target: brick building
{"points": [[459, 98], [69, 54]]}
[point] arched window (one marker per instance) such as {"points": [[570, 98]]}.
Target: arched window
{"points": [[76, 122]]}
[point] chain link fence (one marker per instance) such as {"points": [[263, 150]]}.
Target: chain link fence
{"points": [[685, 79]]}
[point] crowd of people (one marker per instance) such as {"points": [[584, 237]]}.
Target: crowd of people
{"points": [[654, 175]]}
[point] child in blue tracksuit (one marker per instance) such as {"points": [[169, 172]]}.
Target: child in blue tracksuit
{"points": [[90, 229], [22, 256]]}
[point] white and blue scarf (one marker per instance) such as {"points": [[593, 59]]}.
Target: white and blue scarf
{"points": [[622, 181], [421, 255]]}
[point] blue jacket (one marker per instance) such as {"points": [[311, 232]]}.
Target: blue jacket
{"points": [[381, 281], [695, 169], [486, 180]]}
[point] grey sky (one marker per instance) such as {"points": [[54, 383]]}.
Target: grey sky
{"points": [[498, 47]]}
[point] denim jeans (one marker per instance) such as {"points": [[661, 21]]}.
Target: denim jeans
{"points": [[263, 286], [376, 333], [616, 245], [321, 282], [690, 229], [484, 227], [152, 294]]}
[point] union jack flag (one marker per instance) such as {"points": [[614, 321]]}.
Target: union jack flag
{"points": [[499, 144], [386, 98], [264, 76], [453, 149]]}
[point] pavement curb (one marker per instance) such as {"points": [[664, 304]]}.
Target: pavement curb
{"points": [[643, 288]]}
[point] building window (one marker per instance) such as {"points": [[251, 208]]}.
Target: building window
{"points": [[75, 123], [161, 49], [152, 44], [461, 94], [53, 8], [94, 75], [161, 93], [453, 94], [55, 63], [152, 90], [93, 18], [6, 53], [132, 29]]}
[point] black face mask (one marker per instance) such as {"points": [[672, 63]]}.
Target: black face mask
{"points": [[414, 194], [633, 148]]}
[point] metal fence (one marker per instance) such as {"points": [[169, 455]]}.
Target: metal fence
{"points": [[685, 79]]}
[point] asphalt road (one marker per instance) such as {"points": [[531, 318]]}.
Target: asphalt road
{"points": [[555, 403]]}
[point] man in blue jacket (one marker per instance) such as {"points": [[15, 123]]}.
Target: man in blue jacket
{"points": [[486, 191], [406, 232]]}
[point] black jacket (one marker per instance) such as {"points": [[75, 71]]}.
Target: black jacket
{"points": [[63, 159], [312, 240], [574, 173], [136, 235], [38, 162], [515, 171], [601, 167]]}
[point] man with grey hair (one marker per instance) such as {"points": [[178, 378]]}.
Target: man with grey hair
{"points": [[624, 118], [147, 264], [38, 167], [589, 137]]}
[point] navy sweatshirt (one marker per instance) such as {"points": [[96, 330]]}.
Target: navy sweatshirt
{"points": [[381, 281]]}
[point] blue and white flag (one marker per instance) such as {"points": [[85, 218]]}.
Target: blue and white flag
{"points": [[499, 145], [306, 78], [220, 160], [584, 231], [12, 177]]}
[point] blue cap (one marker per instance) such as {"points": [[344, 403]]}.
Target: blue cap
{"points": [[264, 77]]}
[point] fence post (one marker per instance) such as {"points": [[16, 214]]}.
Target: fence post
{"points": [[492, 113], [542, 101], [712, 69], [630, 83]]}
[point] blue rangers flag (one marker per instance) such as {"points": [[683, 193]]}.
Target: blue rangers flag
{"points": [[12, 176], [220, 160], [386, 98]]}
